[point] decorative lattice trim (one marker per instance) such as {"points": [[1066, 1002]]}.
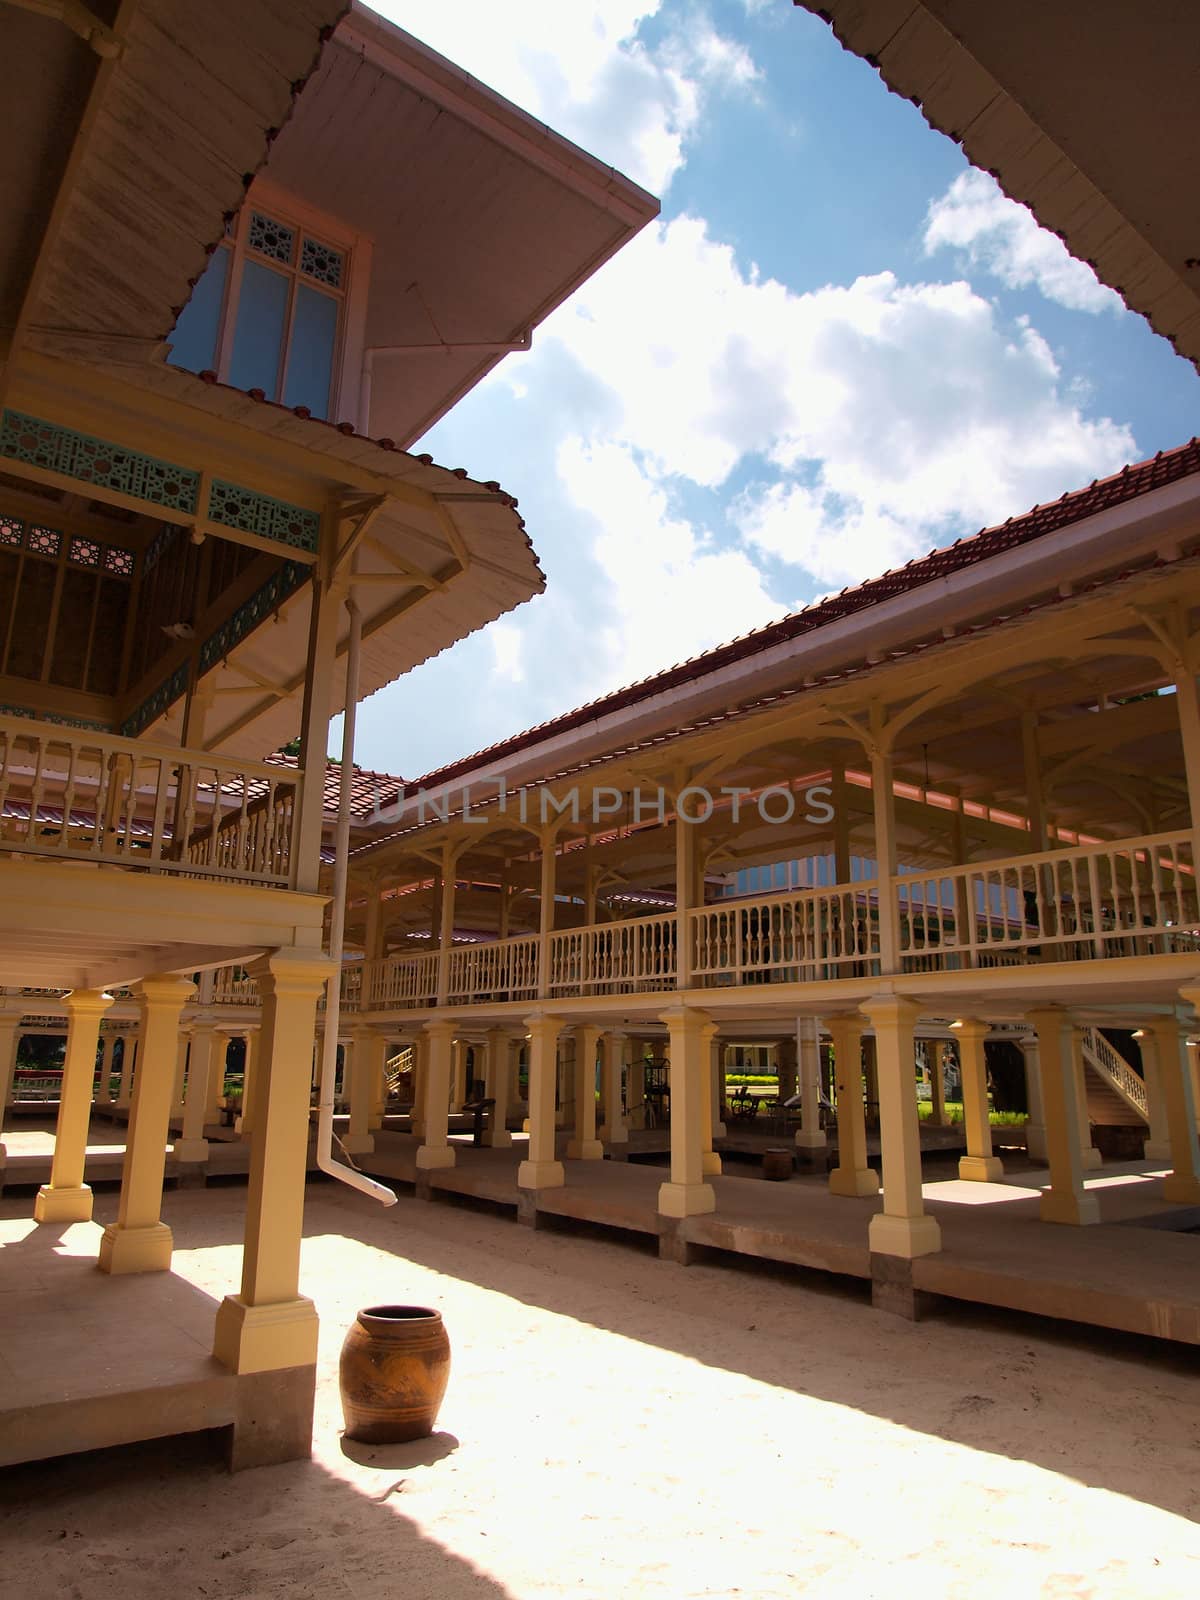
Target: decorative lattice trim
{"points": [[12, 532], [251, 612], [98, 461], [119, 562], [272, 239], [84, 552], [155, 703], [86, 723], [321, 262], [43, 541], [235, 507]]}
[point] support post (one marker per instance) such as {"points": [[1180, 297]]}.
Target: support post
{"points": [[710, 1161], [549, 870], [902, 1228], [244, 1126], [139, 1240], [809, 1135], [1182, 1184], [497, 1087], [366, 1066], [10, 1042], [1090, 1156], [979, 1165], [435, 1150], [616, 1128], [1158, 1140], [937, 1083], [66, 1198], [192, 1146], [1066, 1200], [584, 1145], [542, 1170], [108, 1043], [1035, 1128], [268, 1325], [687, 1194], [883, 804], [853, 1175]]}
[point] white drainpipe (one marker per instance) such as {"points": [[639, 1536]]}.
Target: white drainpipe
{"points": [[341, 873]]}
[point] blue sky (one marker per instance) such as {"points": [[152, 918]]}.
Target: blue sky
{"points": [[837, 348]]}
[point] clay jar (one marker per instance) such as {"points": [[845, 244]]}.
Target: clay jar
{"points": [[777, 1165], [393, 1372]]}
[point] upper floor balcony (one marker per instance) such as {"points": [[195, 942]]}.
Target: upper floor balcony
{"points": [[1118, 899]]}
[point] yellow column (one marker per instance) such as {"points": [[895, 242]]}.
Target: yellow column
{"points": [[216, 1079], [269, 1324], [420, 1057], [1158, 1142], [379, 1088], [718, 1086], [710, 1161], [139, 1241], [435, 1149], [367, 1065], [1193, 1055], [497, 1081], [244, 1126], [10, 1039], [687, 1195], [937, 1083], [542, 1170], [458, 1075], [129, 1049], [1066, 1200], [902, 1228], [181, 1056], [979, 1164], [66, 1198], [104, 1086], [1182, 1184], [809, 1135], [1090, 1156], [191, 1144], [584, 1145], [853, 1175], [616, 1128]]}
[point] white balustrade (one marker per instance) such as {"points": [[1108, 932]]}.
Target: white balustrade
{"points": [[632, 957], [795, 936], [1124, 897], [76, 795], [501, 969]]}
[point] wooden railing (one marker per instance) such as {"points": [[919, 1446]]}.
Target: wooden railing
{"points": [[1132, 897], [1123, 898], [506, 969], [233, 986], [76, 795], [801, 936], [631, 957]]}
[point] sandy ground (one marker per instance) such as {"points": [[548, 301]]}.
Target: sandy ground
{"points": [[619, 1426]]}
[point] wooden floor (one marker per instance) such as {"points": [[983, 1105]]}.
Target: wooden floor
{"points": [[1138, 1270]]}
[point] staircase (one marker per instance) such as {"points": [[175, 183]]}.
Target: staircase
{"points": [[396, 1070], [1116, 1094]]}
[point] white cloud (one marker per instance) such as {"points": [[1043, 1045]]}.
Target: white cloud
{"points": [[670, 591], [1003, 238], [582, 69], [505, 640]]}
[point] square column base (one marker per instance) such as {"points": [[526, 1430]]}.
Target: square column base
{"points": [[1035, 1141], [265, 1338], [358, 1144], [136, 1249], [1181, 1189], [853, 1182], [1076, 1209], [1091, 1158], [585, 1150], [63, 1205], [710, 1164], [190, 1149], [541, 1175], [816, 1140], [1157, 1150], [497, 1139], [686, 1199], [274, 1418], [430, 1157], [904, 1236], [981, 1169]]}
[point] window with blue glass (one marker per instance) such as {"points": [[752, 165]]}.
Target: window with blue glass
{"points": [[268, 312]]}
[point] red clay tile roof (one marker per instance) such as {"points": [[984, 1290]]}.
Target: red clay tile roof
{"points": [[1167, 467], [367, 787]]}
